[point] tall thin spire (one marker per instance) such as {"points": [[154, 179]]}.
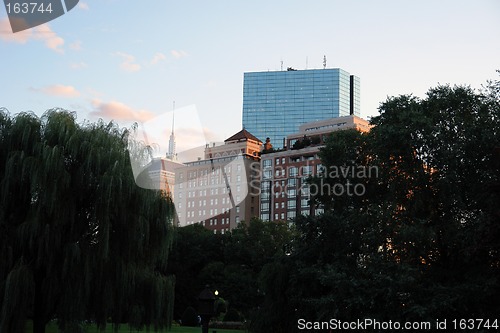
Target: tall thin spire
{"points": [[171, 142]]}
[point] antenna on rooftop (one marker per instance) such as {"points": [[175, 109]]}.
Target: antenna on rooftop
{"points": [[282, 64], [324, 62]]}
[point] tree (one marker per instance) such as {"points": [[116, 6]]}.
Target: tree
{"points": [[79, 240], [422, 241], [196, 250]]}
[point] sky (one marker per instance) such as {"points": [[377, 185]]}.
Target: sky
{"points": [[128, 61]]}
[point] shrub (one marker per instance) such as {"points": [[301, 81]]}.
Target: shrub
{"points": [[190, 317]]}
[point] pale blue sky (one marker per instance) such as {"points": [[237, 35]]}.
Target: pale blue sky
{"points": [[127, 59]]}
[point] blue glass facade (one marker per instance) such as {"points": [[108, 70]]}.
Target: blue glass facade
{"points": [[276, 103]]}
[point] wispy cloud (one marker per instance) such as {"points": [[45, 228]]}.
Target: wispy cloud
{"points": [[158, 57], [78, 65], [83, 5], [76, 45], [42, 33], [178, 54], [128, 64], [59, 90], [118, 111]]}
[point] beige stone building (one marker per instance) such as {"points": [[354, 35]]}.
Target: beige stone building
{"points": [[221, 190]]}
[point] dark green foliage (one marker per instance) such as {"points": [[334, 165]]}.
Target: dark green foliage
{"points": [[83, 240], [229, 263], [233, 315], [422, 242], [190, 317], [195, 250]]}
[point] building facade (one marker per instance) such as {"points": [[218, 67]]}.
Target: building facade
{"points": [[285, 193], [276, 103], [221, 190]]}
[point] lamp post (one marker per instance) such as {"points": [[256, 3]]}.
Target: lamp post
{"points": [[206, 302]]}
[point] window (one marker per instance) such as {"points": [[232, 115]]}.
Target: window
{"points": [[237, 209], [277, 161], [292, 172], [237, 219], [320, 169], [306, 170], [266, 163], [282, 216]]}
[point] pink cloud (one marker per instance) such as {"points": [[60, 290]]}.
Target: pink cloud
{"points": [[118, 111], [83, 5], [157, 58], [59, 90], [42, 33], [128, 63], [178, 54]]}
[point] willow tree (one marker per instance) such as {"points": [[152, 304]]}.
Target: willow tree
{"points": [[78, 239]]}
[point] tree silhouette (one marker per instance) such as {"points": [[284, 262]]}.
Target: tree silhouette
{"points": [[78, 239]]}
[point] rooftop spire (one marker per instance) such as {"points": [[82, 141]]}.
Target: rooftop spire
{"points": [[171, 141]]}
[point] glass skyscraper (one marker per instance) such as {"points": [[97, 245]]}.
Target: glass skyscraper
{"points": [[276, 103]]}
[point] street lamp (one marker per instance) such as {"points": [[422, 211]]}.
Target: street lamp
{"points": [[206, 302]]}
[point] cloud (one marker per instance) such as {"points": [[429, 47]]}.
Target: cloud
{"points": [[59, 90], [178, 54], [42, 33], [78, 65], [157, 58], [83, 5], [118, 111], [76, 45], [128, 64]]}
